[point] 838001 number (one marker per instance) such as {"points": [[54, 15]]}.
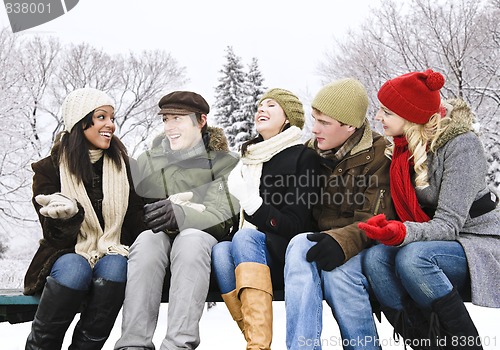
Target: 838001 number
{"points": [[25, 7]]}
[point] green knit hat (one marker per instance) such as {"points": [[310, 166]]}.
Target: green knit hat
{"points": [[344, 100], [290, 103]]}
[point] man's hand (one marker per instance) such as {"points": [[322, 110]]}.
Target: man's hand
{"points": [[160, 216], [57, 206], [390, 232], [327, 253]]}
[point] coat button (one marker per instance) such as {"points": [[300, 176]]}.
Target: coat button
{"points": [[368, 157], [340, 170], [274, 222]]}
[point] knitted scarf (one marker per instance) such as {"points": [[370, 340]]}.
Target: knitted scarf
{"points": [[403, 192], [259, 153], [92, 242]]}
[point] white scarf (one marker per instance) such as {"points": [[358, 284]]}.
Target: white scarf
{"points": [[92, 242], [259, 153]]}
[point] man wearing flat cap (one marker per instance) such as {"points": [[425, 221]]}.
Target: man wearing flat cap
{"points": [[183, 178]]}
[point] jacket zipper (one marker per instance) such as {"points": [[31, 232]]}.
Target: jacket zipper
{"points": [[380, 202]]}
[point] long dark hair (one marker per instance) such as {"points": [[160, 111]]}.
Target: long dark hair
{"points": [[74, 146]]}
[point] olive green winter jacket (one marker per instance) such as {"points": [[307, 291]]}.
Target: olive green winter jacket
{"points": [[162, 172]]}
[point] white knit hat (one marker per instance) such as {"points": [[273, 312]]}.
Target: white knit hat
{"points": [[81, 102]]}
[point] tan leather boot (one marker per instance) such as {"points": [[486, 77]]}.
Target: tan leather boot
{"points": [[234, 306], [255, 290]]}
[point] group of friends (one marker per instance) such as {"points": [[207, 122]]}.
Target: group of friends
{"points": [[407, 226]]}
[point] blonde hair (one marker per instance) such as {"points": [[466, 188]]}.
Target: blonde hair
{"points": [[421, 139]]}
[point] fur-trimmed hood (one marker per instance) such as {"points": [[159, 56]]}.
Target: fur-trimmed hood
{"points": [[461, 119], [217, 141]]}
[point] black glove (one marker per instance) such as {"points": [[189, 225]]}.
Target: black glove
{"points": [[327, 253], [161, 216]]}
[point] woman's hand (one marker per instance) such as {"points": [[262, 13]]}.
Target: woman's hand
{"points": [[57, 206], [386, 232], [244, 190]]}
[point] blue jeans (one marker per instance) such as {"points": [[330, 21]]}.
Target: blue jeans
{"points": [[188, 257], [346, 291], [248, 245], [74, 271], [424, 271]]}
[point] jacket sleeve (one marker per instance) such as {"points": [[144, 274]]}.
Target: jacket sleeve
{"points": [[464, 168], [61, 233], [295, 215], [221, 209], [377, 200], [133, 223]]}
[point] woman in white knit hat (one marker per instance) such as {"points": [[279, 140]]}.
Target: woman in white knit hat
{"points": [[274, 184], [90, 214]]}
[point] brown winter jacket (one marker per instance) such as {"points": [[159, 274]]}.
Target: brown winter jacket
{"points": [[59, 236], [357, 189]]}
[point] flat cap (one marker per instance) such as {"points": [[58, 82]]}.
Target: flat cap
{"points": [[182, 103]]}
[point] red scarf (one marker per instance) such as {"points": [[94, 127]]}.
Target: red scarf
{"points": [[402, 189]]}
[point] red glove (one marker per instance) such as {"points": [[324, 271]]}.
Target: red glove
{"points": [[386, 232]]}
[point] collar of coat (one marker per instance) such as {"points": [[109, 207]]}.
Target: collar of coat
{"points": [[461, 119], [217, 142]]}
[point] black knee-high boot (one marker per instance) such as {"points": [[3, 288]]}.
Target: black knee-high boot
{"points": [[97, 319], [411, 323], [455, 328], [57, 308]]}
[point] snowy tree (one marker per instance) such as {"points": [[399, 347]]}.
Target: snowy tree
{"points": [[253, 89], [25, 67], [3, 249], [135, 81], [36, 74], [229, 95], [457, 38]]}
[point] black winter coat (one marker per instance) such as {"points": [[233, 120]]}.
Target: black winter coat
{"points": [[289, 186]]}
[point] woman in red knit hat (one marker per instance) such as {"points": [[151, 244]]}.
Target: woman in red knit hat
{"points": [[447, 242]]}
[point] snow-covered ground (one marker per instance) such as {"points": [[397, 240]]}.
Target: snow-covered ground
{"points": [[218, 330]]}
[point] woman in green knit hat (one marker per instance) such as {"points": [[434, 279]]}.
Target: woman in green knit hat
{"points": [[272, 212]]}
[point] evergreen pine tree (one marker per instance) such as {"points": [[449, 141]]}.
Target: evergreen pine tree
{"points": [[253, 89], [229, 94]]}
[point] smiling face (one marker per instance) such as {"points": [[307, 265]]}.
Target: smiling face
{"points": [[270, 118], [182, 131], [100, 132], [392, 123], [329, 133]]}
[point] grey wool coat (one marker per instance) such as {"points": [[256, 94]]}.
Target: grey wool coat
{"points": [[457, 177]]}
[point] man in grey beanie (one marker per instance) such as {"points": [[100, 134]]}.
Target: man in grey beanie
{"points": [[327, 264]]}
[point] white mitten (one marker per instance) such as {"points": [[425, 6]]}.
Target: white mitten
{"points": [[181, 197], [251, 203], [184, 199], [57, 206], [245, 190], [236, 184]]}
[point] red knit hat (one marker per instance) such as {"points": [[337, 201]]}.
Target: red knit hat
{"points": [[413, 96]]}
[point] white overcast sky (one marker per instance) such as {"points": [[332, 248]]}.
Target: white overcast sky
{"points": [[289, 38]]}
